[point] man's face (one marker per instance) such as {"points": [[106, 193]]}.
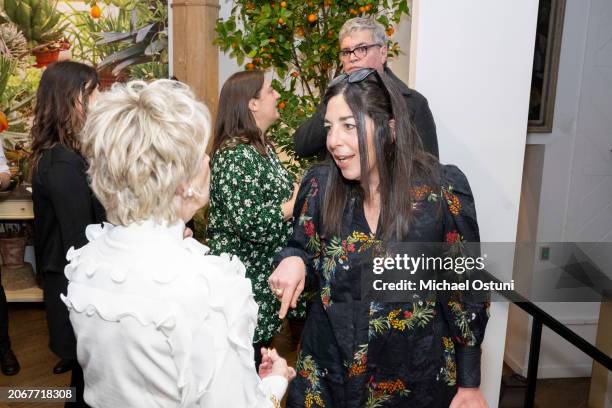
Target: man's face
{"points": [[375, 57]]}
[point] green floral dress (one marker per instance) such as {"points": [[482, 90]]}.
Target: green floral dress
{"points": [[245, 219]]}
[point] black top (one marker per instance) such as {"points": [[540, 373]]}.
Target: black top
{"points": [[309, 138], [63, 206], [358, 352]]}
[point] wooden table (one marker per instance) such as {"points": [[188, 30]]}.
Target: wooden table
{"points": [[17, 205]]}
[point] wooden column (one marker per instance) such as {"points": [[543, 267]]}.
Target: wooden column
{"points": [[195, 58]]}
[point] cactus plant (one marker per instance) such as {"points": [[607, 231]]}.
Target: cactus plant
{"points": [[13, 44], [37, 19]]}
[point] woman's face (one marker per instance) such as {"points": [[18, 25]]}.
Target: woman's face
{"points": [[264, 108], [343, 141]]}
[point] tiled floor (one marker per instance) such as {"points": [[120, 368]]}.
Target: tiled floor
{"points": [[29, 336]]}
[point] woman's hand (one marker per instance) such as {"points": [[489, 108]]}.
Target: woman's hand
{"points": [[469, 398], [287, 282], [287, 207], [273, 364]]}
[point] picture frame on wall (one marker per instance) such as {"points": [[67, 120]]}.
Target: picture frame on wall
{"points": [[549, 33]]}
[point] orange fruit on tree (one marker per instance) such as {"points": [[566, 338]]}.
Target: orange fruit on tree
{"points": [[300, 31], [353, 11], [95, 11], [250, 66], [281, 21], [295, 74], [330, 34], [281, 105], [283, 4], [312, 18], [362, 9], [3, 122], [368, 7], [390, 31]]}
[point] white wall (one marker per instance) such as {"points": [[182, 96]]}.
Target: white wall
{"points": [[473, 60], [576, 192]]}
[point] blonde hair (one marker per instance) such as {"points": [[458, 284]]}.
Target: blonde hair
{"points": [[142, 141]]}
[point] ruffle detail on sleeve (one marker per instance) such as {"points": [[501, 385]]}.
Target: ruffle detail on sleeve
{"points": [[194, 246], [231, 294], [239, 308], [94, 231]]}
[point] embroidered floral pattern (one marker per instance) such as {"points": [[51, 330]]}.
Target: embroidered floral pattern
{"points": [[449, 370], [455, 243], [462, 320], [360, 360], [383, 391], [314, 241], [420, 192], [398, 319], [454, 205], [307, 368], [393, 329], [336, 255]]}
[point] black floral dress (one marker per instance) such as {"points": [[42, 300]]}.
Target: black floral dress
{"points": [[245, 219], [357, 353]]}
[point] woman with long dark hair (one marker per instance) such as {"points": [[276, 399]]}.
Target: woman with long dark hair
{"points": [[378, 189], [252, 195], [63, 202]]}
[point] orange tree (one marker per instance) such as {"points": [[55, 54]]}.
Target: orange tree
{"points": [[298, 40]]}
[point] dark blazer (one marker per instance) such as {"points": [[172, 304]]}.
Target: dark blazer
{"points": [[309, 138], [63, 206]]}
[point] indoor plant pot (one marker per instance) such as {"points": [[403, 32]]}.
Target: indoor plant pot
{"points": [[12, 250], [106, 78], [45, 56]]}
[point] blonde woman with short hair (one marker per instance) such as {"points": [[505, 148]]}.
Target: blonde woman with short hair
{"points": [[158, 322]]}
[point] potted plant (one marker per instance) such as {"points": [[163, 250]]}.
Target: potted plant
{"points": [[12, 246], [130, 41], [145, 42], [40, 23], [84, 32]]}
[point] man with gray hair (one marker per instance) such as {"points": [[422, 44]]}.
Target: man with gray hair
{"points": [[363, 44]]}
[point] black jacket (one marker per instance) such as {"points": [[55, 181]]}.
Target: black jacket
{"points": [[309, 138], [63, 206]]}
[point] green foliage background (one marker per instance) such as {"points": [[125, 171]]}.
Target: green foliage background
{"points": [[298, 40]]}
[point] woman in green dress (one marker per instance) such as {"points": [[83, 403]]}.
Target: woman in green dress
{"points": [[252, 195]]}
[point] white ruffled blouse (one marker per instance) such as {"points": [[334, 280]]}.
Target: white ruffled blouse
{"points": [[160, 324]]}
